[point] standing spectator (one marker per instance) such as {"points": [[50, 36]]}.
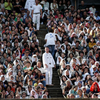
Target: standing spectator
{"points": [[48, 63], [50, 41], [37, 10]]}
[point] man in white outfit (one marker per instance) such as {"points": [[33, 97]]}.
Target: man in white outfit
{"points": [[37, 10], [48, 63]]}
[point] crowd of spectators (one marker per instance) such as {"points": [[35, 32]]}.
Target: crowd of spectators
{"points": [[21, 74], [77, 50]]}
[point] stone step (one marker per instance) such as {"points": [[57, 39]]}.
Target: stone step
{"points": [[55, 94], [55, 89], [55, 81], [51, 91], [52, 87], [55, 75], [43, 26], [42, 32]]}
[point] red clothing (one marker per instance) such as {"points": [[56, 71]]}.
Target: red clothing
{"points": [[13, 89], [23, 50], [78, 19], [56, 16], [93, 87]]}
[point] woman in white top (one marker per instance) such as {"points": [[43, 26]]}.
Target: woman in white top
{"points": [[54, 6]]}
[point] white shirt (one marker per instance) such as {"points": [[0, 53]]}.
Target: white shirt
{"points": [[37, 8], [50, 37], [93, 10], [29, 4], [60, 38], [41, 69], [34, 59], [53, 5], [46, 5], [48, 59], [89, 17]]}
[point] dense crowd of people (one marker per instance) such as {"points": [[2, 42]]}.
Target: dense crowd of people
{"points": [[76, 48], [21, 75], [73, 39]]}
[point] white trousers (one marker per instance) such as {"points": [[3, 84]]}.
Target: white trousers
{"points": [[36, 20], [48, 76]]}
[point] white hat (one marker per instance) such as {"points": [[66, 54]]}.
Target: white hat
{"points": [[83, 61], [34, 55], [18, 57], [44, 95], [67, 64], [73, 33], [1, 77], [91, 12], [83, 87], [42, 2], [10, 69], [93, 66], [96, 62]]}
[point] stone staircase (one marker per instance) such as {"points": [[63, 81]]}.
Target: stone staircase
{"points": [[55, 90]]}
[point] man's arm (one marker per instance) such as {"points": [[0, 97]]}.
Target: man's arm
{"points": [[41, 13], [53, 61], [10, 5], [45, 39], [32, 13], [44, 61]]}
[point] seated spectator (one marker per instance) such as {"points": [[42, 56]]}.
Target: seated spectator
{"points": [[67, 87], [73, 90], [95, 88], [80, 95], [92, 43], [40, 77]]}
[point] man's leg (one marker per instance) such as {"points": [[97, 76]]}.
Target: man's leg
{"points": [[53, 50], [50, 76], [38, 21], [44, 83], [34, 18], [47, 78]]}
